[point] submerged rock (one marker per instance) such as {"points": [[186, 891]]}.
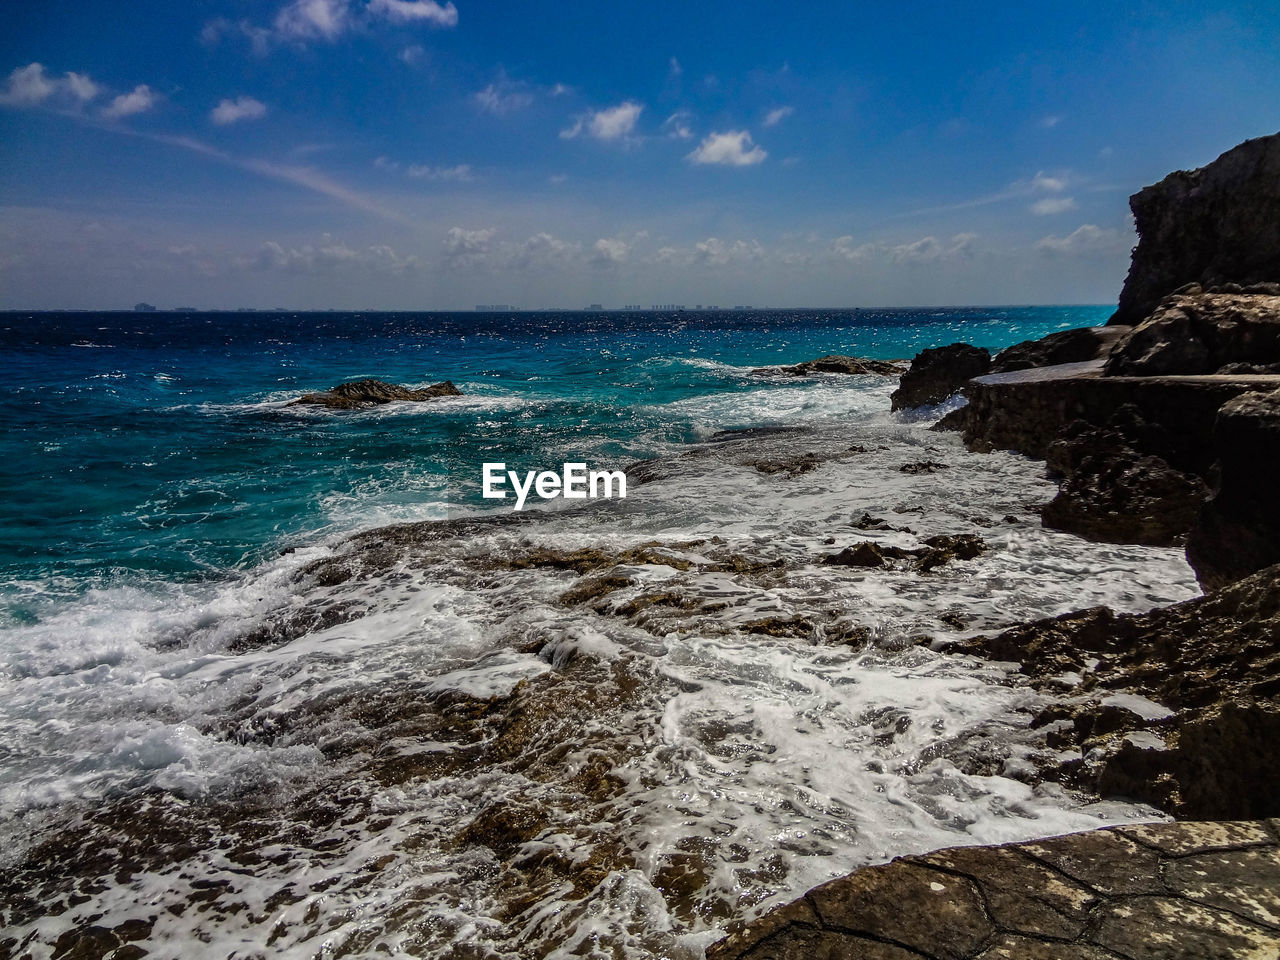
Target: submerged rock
{"points": [[367, 393], [939, 373], [1212, 226], [1161, 890], [1238, 532], [1199, 334], [835, 363]]}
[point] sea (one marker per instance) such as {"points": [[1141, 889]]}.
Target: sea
{"points": [[277, 680]]}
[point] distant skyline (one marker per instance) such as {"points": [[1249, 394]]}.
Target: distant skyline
{"points": [[418, 155]]}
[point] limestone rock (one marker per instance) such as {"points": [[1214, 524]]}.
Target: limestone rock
{"points": [[1215, 225], [1065, 346], [1171, 891], [1238, 531], [939, 373], [1200, 334], [367, 393], [835, 363], [1112, 493]]}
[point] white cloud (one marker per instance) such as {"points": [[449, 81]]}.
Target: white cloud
{"points": [[609, 251], [677, 126], [27, 86], [465, 247], [327, 258], [30, 86], [141, 99], [241, 108], [775, 117], [461, 173], [503, 97], [81, 87], [673, 67], [1042, 181], [1051, 205], [925, 250], [611, 123], [386, 163], [1085, 241], [732, 149], [715, 252], [1050, 121], [412, 55], [313, 20], [543, 249], [416, 11]]}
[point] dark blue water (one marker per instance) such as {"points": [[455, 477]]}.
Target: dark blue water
{"points": [[159, 446]]}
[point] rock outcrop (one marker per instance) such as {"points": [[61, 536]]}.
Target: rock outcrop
{"points": [[367, 393], [1202, 333], [939, 373], [834, 363], [1159, 891], [1113, 493], [1216, 225], [1066, 346], [1176, 707], [1239, 529]]}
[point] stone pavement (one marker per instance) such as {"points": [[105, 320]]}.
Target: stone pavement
{"points": [[1164, 891]]}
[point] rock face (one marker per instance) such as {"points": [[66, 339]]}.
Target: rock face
{"points": [[1161, 891], [1216, 225], [1239, 529], [1112, 493], [1176, 707], [1202, 333], [835, 364], [1065, 346], [368, 393], [939, 373]]}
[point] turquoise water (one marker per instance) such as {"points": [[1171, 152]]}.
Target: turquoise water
{"points": [[159, 446]]}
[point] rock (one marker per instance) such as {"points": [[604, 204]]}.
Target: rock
{"points": [[864, 554], [1238, 532], [939, 373], [366, 393], [1199, 334], [923, 466], [1198, 682], [834, 363], [1219, 224], [1065, 346], [1111, 493], [948, 547], [1117, 892]]}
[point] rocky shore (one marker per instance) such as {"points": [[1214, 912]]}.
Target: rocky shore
{"points": [[1162, 428]]}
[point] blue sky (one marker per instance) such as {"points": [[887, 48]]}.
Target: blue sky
{"points": [[408, 154]]}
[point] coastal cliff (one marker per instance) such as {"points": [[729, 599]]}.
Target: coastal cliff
{"points": [[1213, 226]]}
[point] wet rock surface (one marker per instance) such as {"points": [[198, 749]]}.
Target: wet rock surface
{"points": [[834, 363], [368, 393], [1176, 707], [1216, 225], [1238, 531], [1168, 891], [939, 373]]}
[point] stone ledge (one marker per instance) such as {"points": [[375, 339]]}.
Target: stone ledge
{"points": [[1164, 891]]}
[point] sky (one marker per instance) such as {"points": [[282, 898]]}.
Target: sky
{"points": [[420, 155]]}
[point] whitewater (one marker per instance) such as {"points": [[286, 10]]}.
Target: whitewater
{"points": [[354, 711]]}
